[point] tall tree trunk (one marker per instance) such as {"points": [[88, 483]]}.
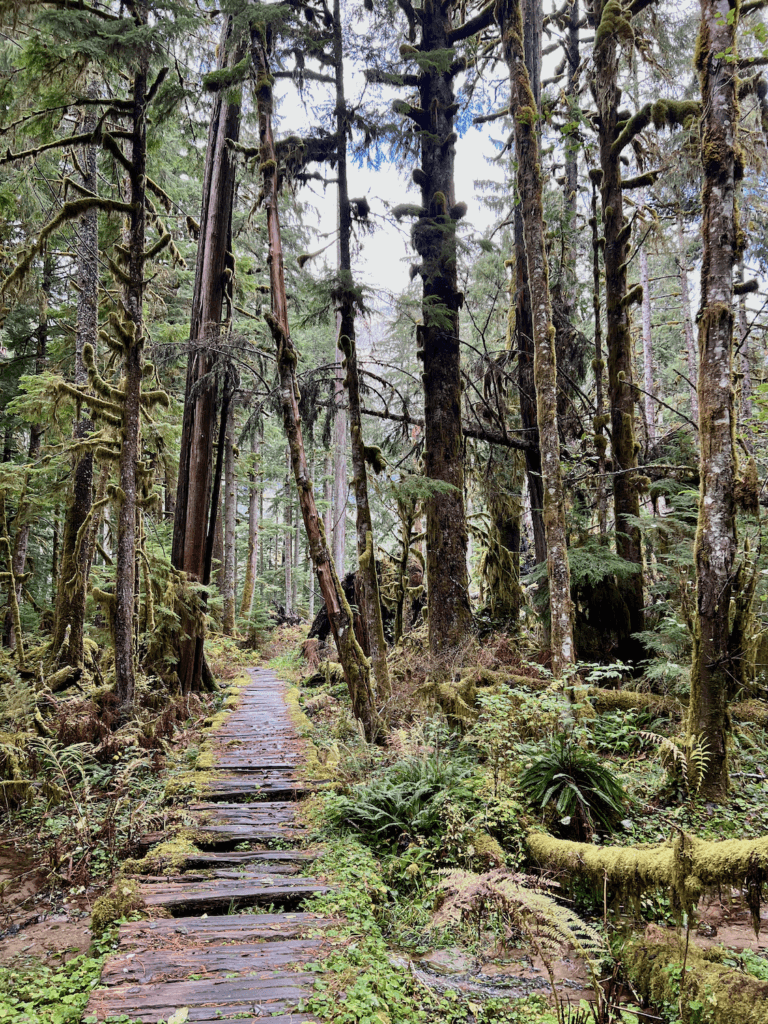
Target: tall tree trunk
{"points": [[713, 666], [328, 497], [71, 593], [340, 485], [685, 301], [353, 660], [252, 561], [434, 238], [745, 406], [600, 421], [212, 279], [648, 398], [230, 515], [532, 29], [133, 360], [620, 391], [36, 431], [287, 536], [370, 600], [524, 112]]}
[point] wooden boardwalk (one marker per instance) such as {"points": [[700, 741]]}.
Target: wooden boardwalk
{"points": [[203, 956]]}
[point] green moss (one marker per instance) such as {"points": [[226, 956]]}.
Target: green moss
{"points": [[121, 900], [486, 850], [168, 857], [721, 995]]}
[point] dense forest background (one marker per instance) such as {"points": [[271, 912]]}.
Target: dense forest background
{"points": [[227, 401]]}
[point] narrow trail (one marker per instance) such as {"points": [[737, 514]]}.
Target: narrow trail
{"points": [[217, 964]]}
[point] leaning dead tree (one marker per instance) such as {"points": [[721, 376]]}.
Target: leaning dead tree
{"points": [[353, 660]]}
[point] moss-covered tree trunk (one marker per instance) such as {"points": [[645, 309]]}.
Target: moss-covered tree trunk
{"points": [[230, 515], [367, 577], [353, 661], [525, 115], [612, 26], [133, 359], [434, 238], [213, 275], [71, 592], [600, 420], [712, 670]]}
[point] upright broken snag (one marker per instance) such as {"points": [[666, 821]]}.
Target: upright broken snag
{"points": [[353, 661]]}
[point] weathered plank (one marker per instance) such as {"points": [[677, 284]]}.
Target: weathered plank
{"points": [[259, 995], [250, 856], [144, 966], [181, 933], [263, 889]]}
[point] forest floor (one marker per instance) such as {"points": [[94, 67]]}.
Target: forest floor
{"points": [[403, 832]]}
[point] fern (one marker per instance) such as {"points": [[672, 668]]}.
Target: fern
{"points": [[63, 769], [689, 760], [530, 911]]}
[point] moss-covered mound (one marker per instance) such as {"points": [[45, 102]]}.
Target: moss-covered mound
{"points": [[719, 994]]}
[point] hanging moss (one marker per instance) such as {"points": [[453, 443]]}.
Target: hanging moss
{"points": [[374, 457], [685, 868]]}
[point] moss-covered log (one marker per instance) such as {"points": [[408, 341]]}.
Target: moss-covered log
{"points": [[684, 867], [725, 996]]}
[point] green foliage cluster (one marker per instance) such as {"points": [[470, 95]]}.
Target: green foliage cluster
{"points": [[43, 994]]}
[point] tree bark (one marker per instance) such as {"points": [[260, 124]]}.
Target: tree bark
{"points": [[287, 536], [230, 515], [340, 484], [745, 405], [713, 666], [621, 394], [648, 385], [685, 301], [353, 660], [213, 275], [532, 29], [600, 421], [252, 561], [434, 238], [71, 593], [525, 114], [367, 577], [133, 360]]}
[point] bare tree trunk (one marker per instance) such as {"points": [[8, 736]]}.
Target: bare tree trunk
{"points": [[287, 535], [745, 405], [648, 386], [523, 109], [368, 580], [714, 658], [252, 563], [340, 485], [133, 361], [685, 300], [352, 658], [213, 275], [230, 514], [328, 497]]}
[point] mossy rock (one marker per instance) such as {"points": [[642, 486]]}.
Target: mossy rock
{"points": [[121, 900], [487, 852]]}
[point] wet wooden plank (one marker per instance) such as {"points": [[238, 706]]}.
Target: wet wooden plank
{"points": [[144, 966], [253, 997], [178, 896], [251, 856], [236, 871], [181, 933], [261, 785]]}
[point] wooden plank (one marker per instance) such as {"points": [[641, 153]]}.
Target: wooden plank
{"points": [[181, 933], [143, 966], [178, 897], [259, 995], [251, 856]]}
